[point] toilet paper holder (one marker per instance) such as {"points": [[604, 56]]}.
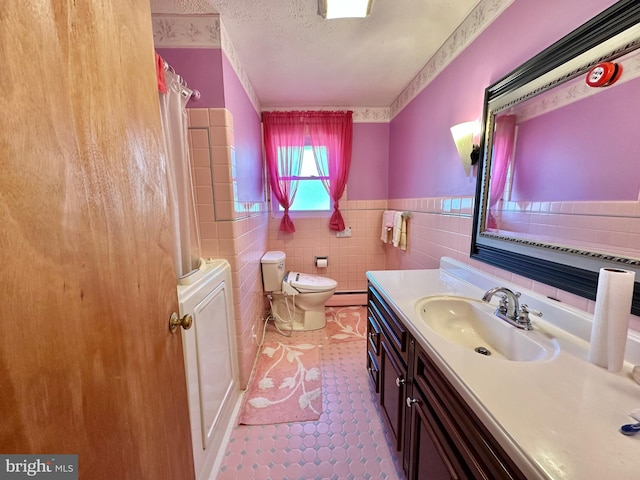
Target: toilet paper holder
{"points": [[321, 261]]}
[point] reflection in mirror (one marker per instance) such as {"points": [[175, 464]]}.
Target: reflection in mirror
{"points": [[559, 183], [571, 144], [567, 139]]}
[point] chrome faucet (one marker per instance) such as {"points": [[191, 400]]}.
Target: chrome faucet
{"points": [[509, 308]]}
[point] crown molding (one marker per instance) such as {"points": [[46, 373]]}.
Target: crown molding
{"points": [[563, 94], [485, 12], [360, 114], [232, 55], [207, 31], [186, 31], [201, 31]]}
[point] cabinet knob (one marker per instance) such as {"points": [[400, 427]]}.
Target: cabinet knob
{"points": [[400, 381], [411, 401]]}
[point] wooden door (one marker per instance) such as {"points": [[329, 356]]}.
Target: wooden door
{"points": [[87, 365]]}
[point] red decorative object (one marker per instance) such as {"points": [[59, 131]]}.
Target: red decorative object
{"points": [[162, 86], [604, 74], [284, 140]]}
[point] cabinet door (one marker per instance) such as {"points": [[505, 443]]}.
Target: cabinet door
{"points": [[392, 390], [464, 441], [429, 454]]}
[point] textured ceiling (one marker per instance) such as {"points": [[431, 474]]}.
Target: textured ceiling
{"points": [[295, 58]]}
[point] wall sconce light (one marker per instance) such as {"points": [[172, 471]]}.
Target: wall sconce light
{"points": [[330, 9], [469, 152]]}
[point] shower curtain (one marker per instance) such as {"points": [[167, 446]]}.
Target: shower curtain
{"points": [[180, 190]]}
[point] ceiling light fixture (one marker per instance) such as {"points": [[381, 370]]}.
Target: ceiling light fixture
{"points": [[331, 9]]}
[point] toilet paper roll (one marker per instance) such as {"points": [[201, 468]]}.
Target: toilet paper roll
{"points": [[322, 262], [611, 318]]}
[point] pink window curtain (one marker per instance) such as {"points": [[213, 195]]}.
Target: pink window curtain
{"points": [[503, 138], [333, 133], [284, 145]]}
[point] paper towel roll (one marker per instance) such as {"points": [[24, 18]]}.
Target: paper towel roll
{"points": [[611, 318]]}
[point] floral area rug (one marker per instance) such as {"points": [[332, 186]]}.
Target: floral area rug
{"points": [[286, 386], [346, 324]]}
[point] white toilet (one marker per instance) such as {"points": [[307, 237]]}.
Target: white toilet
{"points": [[298, 298]]}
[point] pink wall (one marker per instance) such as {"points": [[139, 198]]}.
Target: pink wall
{"points": [[224, 142], [202, 70], [369, 162], [349, 258], [209, 71], [423, 161], [561, 152], [421, 146], [248, 136]]}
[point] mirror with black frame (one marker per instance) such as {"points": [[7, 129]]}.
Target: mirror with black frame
{"points": [[559, 180]]}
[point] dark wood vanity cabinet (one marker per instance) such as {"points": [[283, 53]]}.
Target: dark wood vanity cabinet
{"points": [[387, 356], [436, 434]]}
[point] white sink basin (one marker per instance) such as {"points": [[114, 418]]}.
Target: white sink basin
{"points": [[472, 324]]}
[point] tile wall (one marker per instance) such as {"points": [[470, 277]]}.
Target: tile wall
{"points": [[442, 227], [229, 229], [438, 227], [349, 258], [601, 226]]}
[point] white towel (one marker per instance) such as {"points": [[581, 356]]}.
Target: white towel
{"points": [[387, 225], [387, 218], [397, 228]]}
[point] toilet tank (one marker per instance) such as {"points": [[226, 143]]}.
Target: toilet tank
{"points": [[273, 270]]}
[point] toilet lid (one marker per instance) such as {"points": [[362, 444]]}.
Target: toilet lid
{"points": [[310, 283]]}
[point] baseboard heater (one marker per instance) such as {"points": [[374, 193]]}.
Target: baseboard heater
{"points": [[347, 298]]}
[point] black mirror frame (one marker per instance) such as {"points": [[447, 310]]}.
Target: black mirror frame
{"points": [[611, 22]]}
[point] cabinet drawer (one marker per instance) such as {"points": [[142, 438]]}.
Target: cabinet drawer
{"points": [[390, 325], [373, 334]]}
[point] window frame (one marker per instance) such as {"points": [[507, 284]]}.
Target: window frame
{"points": [[277, 209]]}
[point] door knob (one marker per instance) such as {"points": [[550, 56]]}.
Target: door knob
{"points": [[175, 321]]}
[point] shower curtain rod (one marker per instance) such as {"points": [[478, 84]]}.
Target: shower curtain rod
{"points": [[195, 94]]}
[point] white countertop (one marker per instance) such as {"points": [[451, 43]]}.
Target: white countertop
{"points": [[558, 418]]}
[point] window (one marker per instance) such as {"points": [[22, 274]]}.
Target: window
{"points": [[329, 136], [508, 185], [312, 194]]}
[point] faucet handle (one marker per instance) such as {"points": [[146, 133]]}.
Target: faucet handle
{"points": [[523, 315], [502, 304], [524, 308]]}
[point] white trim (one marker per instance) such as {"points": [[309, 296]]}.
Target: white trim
{"points": [[207, 31], [360, 114], [476, 22], [201, 31], [186, 31], [232, 55]]}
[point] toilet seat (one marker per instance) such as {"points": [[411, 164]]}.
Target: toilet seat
{"points": [[306, 283]]}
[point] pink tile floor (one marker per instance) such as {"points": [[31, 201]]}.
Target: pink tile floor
{"points": [[349, 441]]}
